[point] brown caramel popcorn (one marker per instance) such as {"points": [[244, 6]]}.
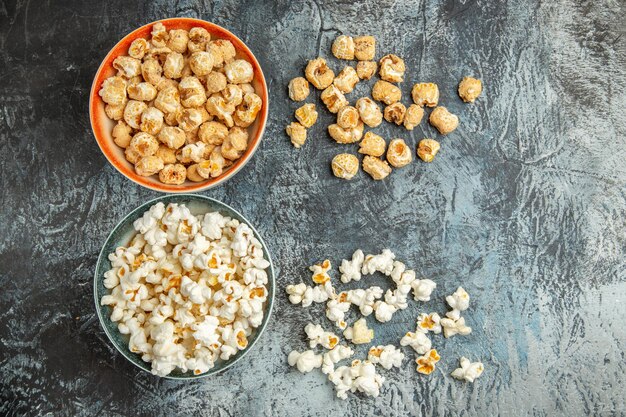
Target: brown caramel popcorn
{"points": [[298, 89], [386, 92], [366, 69], [394, 113], [399, 154], [133, 111], [343, 47], [346, 80], [144, 144], [413, 116], [215, 82], [469, 89], [345, 166], [319, 74], [148, 165], [333, 98], [369, 111], [178, 40], [427, 149], [173, 174], [364, 48], [166, 154], [248, 110], [138, 48], [392, 68], [372, 144], [113, 91], [341, 135], [377, 168], [307, 115], [443, 120], [425, 94], [193, 175], [122, 134], [212, 133], [348, 117], [198, 39], [297, 134]]}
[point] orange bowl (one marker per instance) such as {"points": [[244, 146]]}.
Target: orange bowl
{"points": [[102, 126]]}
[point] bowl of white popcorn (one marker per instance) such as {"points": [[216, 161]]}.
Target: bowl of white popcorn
{"points": [[184, 286]]}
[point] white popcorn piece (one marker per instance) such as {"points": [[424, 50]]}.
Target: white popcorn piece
{"points": [[359, 333], [384, 311], [365, 299], [426, 363], [361, 376], [305, 361], [351, 270], [386, 356], [468, 371], [419, 342], [381, 263], [397, 298], [429, 323], [459, 301], [205, 332], [320, 272], [318, 336], [453, 327], [422, 289], [212, 225], [336, 309], [334, 356]]}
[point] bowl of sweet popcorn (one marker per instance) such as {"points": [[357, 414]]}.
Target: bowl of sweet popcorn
{"points": [[179, 105], [184, 286]]}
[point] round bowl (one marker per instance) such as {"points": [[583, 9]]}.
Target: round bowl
{"points": [[102, 125], [123, 233]]}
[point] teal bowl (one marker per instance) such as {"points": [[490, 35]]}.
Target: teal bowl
{"points": [[122, 235]]}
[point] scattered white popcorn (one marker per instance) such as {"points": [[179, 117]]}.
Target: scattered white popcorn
{"points": [[429, 323], [305, 295], [422, 289], [384, 311], [320, 272], [305, 361], [468, 371], [189, 289], [351, 270], [359, 333], [361, 376], [381, 263], [418, 341], [296, 292], [334, 356], [426, 363], [459, 301], [318, 336], [387, 356], [365, 299], [453, 327]]}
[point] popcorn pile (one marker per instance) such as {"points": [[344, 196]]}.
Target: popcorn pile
{"points": [[361, 375], [351, 119], [188, 290], [183, 103]]}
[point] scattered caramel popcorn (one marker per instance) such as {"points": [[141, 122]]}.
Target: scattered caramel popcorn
{"points": [[366, 69], [394, 113], [333, 98], [425, 94], [469, 89], [298, 89], [372, 144], [369, 111], [443, 120], [392, 68], [319, 74], [346, 135], [307, 115], [346, 80], [348, 117], [426, 363], [427, 149], [398, 153], [364, 48], [345, 166], [297, 134], [413, 116], [180, 100], [386, 92], [343, 47], [376, 167]]}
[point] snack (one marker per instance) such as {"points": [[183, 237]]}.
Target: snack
{"points": [[443, 120], [425, 94], [468, 371], [469, 89], [345, 166], [377, 168], [427, 149]]}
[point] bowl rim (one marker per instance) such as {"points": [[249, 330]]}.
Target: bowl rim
{"points": [[193, 187], [259, 330]]}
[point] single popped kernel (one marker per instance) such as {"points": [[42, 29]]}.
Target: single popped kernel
{"points": [[298, 89], [348, 117], [341, 135], [189, 119], [127, 67], [468, 371], [392, 68], [386, 92], [413, 116], [173, 137], [345, 166], [305, 361], [364, 48], [443, 120], [333, 98], [159, 35], [351, 270], [418, 341], [122, 134], [387, 356], [201, 63], [215, 82], [166, 154], [113, 91], [372, 144], [346, 80], [459, 301], [178, 40], [151, 71], [384, 311], [174, 65], [239, 71], [223, 52], [320, 272], [144, 144], [307, 115], [115, 112], [318, 336], [198, 39], [359, 333], [319, 74], [394, 113], [426, 363], [369, 111], [366, 69], [427, 149], [193, 175], [138, 48], [453, 327], [297, 134], [337, 354], [429, 323], [377, 168], [148, 165], [248, 110], [425, 94], [151, 121], [343, 47], [142, 91], [399, 154], [173, 174], [469, 89], [212, 132], [336, 309]]}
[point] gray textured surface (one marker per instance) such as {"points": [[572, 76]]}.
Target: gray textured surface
{"points": [[525, 206]]}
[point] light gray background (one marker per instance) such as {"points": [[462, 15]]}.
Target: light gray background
{"points": [[524, 206]]}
